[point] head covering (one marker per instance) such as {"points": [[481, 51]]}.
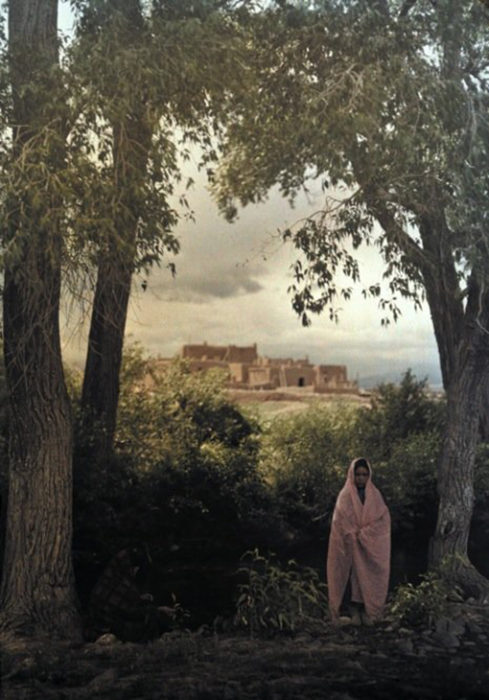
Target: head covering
{"points": [[359, 547]]}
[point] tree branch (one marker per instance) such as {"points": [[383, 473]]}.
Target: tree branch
{"points": [[406, 7], [395, 231]]}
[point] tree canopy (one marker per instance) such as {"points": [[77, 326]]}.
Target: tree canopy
{"points": [[386, 102], [150, 78], [389, 111], [89, 146]]}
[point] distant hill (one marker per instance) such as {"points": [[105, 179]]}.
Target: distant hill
{"points": [[421, 371]]}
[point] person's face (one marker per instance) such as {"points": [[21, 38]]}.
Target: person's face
{"points": [[361, 476]]}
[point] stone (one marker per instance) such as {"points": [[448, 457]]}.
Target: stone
{"points": [[405, 646], [107, 639], [473, 627], [448, 632], [457, 626], [353, 666], [446, 640], [103, 680]]}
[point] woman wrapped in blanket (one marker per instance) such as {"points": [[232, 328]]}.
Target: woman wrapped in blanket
{"points": [[359, 548]]}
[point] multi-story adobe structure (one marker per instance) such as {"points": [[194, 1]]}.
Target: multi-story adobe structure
{"points": [[247, 370]]}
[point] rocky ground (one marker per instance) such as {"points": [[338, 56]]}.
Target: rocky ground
{"points": [[449, 660]]}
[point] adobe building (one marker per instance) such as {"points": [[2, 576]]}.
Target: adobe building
{"points": [[247, 370], [235, 360]]}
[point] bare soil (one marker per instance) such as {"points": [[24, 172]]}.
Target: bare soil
{"points": [[449, 660]]}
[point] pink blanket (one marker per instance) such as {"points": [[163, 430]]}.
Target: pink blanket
{"points": [[359, 548]]}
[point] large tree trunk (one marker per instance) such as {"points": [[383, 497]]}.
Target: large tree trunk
{"points": [[131, 145], [37, 593], [100, 392], [101, 383], [462, 336], [465, 396]]}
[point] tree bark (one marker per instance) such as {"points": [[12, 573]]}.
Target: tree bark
{"points": [[465, 396], [37, 593], [462, 337], [101, 383], [131, 145], [463, 347], [443, 292]]}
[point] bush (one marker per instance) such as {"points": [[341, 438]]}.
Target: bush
{"points": [[276, 600], [421, 605], [199, 482], [184, 414], [183, 479], [303, 459], [408, 482], [397, 412]]}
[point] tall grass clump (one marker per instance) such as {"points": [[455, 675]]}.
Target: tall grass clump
{"points": [[277, 598]]}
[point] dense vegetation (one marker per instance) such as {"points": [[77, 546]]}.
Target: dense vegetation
{"points": [[392, 98], [201, 482]]}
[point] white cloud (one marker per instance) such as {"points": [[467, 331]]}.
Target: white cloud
{"points": [[231, 287]]}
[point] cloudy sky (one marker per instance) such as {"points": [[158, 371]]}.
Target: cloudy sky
{"points": [[231, 287]]}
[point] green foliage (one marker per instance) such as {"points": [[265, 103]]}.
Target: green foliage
{"points": [[396, 412], [305, 457], [408, 482], [3, 428], [183, 479], [184, 418], [197, 454], [402, 432], [276, 599], [479, 533], [481, 478], [199, 482], [420, 605], [148, 81], [389, 112]]}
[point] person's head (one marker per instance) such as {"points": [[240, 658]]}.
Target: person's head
{"points": [[361, 472]]}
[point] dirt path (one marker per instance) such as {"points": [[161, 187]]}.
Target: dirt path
{"points": [[451, 661]]}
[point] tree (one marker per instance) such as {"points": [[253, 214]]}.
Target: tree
{"points": [[159, 76], [386, 102], [37, 591], [131, 125]]}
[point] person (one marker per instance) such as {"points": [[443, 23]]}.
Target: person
{"points": [[359, 548], [117, 604]]}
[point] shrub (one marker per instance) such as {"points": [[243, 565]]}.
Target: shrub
{"points": [[408, 482], [397, 412], [276, 599], [421, 605], [183, 479], [303, 458], [200, 482]]}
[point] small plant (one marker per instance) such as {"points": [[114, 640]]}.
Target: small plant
{"points": [[421, 605], [278, 600]]}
